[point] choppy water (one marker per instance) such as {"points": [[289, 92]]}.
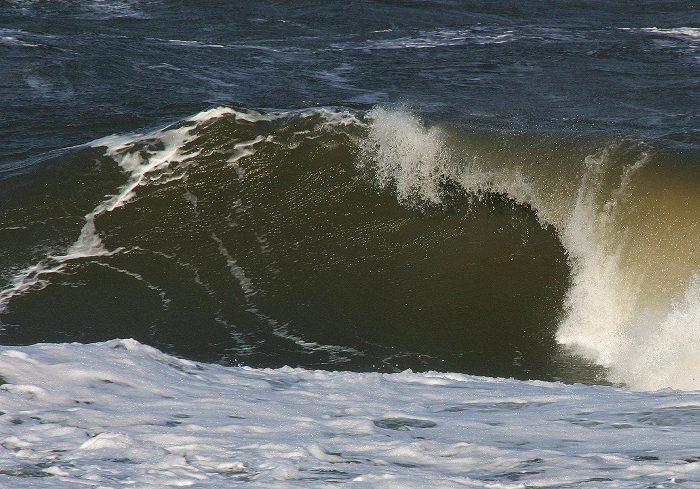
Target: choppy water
{"points": [[506, 189]]}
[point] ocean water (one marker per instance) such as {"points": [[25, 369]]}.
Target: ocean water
{"points": [[383, 209]]}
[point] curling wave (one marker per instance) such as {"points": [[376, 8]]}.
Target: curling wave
{"points": [[329, 238], [626, 215]]}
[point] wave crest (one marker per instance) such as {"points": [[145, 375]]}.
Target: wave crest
{"points": [[629, 307]]}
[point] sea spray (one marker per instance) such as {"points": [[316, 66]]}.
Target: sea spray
{"points": [[277, 237], [400, 152], [609, 315]]}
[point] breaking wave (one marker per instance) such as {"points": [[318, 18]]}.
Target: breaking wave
{"points": [[367, 241], [627, 225]]}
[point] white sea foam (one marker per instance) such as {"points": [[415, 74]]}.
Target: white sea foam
{"points": [[161, 165], [663, 349], [122, 413], [434, 39], [684, 32], [19, 38], [14, 41], [477, 35], [330, 117], [686, 38], [198, 44], [608, 315], [243, 150]]}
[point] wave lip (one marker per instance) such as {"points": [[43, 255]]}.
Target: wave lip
{"points": [[633, 304]]}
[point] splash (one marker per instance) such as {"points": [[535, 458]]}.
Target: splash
{"points": [[400, 152], [634, 302], [632, 305]]}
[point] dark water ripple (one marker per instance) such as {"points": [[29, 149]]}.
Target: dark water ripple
{"points": [[74, 71]]}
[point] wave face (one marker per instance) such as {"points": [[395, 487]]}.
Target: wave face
{"points": [[363, 241], [625, 214]]}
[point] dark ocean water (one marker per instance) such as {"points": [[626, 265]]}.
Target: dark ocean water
{"points": [[497, 188]]}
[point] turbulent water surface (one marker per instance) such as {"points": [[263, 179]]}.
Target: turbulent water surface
{"points": [[500, 189]]}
